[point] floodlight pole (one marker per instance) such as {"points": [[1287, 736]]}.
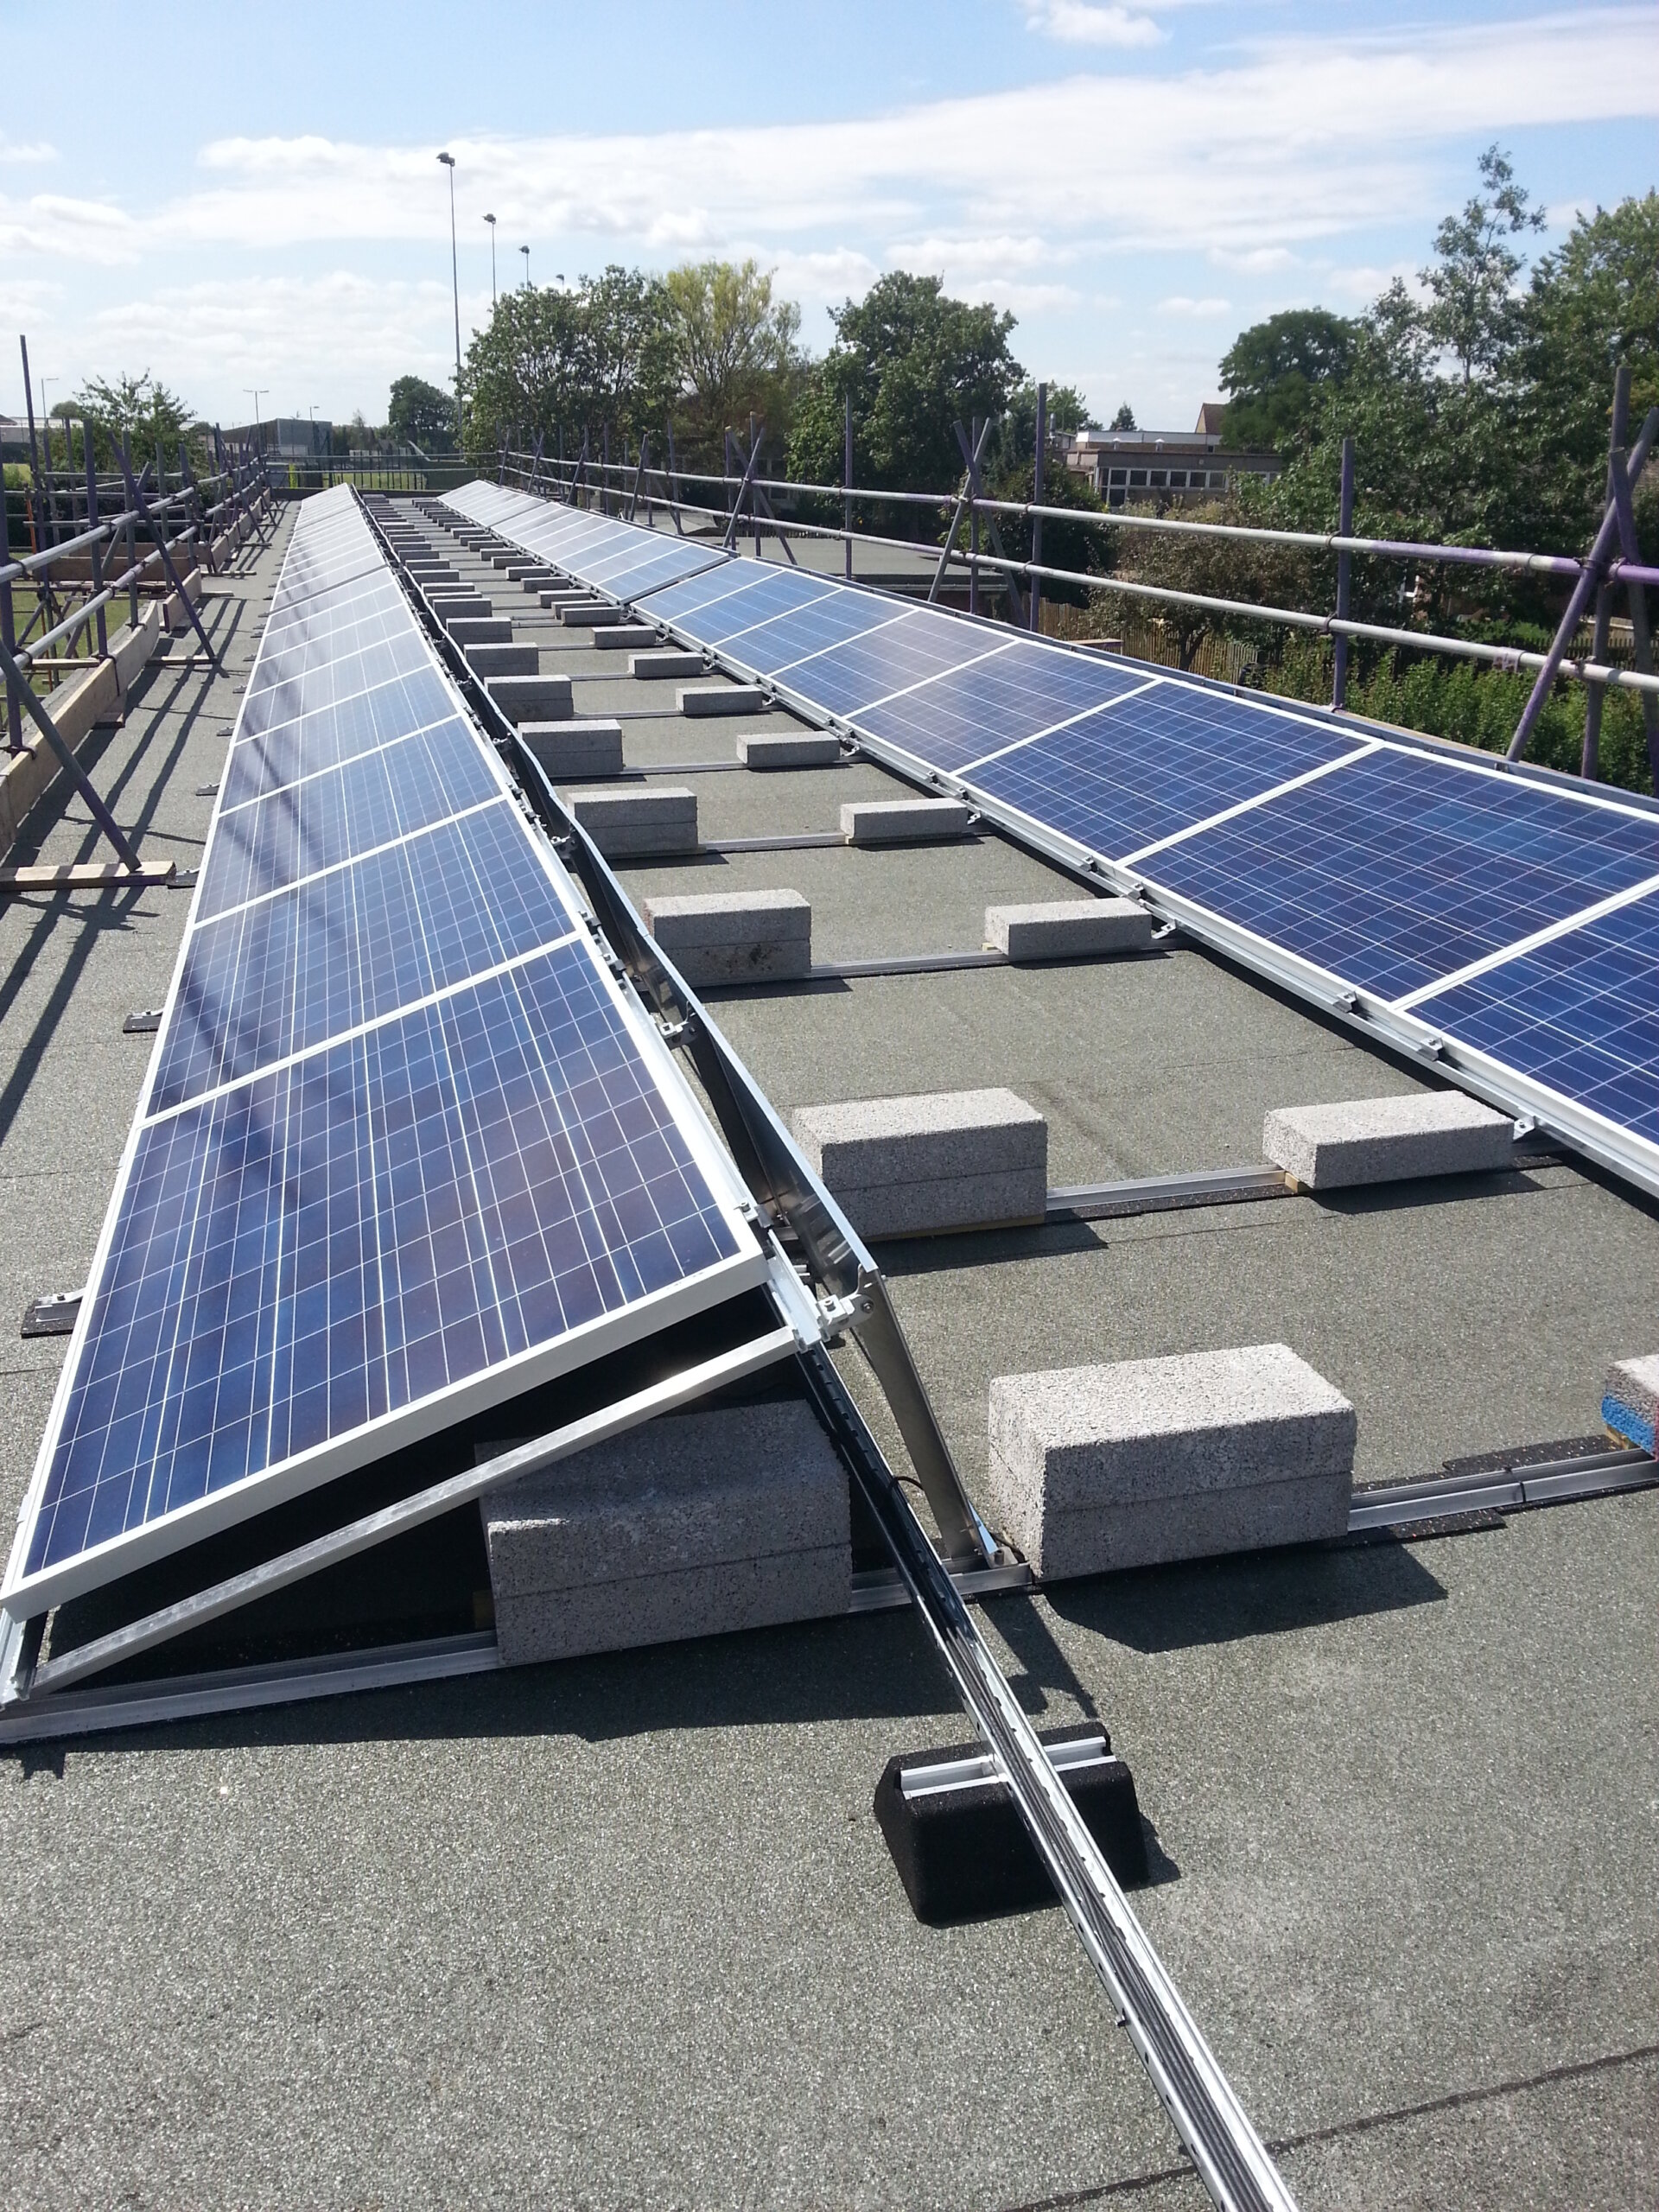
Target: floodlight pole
{"points": [[1035, 603], [449, 160], [489, 219], [1344, 528], [524, 249]]}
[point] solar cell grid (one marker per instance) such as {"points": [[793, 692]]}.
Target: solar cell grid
{"points": [[308, 688], [1153, 764], [1399, 868], [1580, 1014], [343, 813], [353, 1233], [270, 759], [887, 658], [351, 945], [961, 717]]}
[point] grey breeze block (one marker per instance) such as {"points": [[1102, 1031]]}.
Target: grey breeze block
{"points": [[1387, 1140], [488, 661], [532, 698], [470, 630], [696, 701], [583, 747], [735, 936], [904, 821], [1062, 929], [623, 637], [920, 1165], [1094, 1468], [693, 1525], [1630, 1402], [775, 750], [666, 666], [451, 607], [628, 825], [589, 614]]}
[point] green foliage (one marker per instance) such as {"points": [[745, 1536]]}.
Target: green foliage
{"points": [[150, 416], [422, 414], [555, 362], [1124, 418], [1274, 371], [736, 353], [912, 362], [1476, 316]]}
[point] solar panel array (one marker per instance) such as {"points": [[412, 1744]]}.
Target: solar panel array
{"points": [[1511, 922], [405, 1147]]}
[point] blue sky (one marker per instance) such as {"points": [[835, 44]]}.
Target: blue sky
{"points": [[1136, 180]]}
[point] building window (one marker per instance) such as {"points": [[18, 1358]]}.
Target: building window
{"points": [[1137, 476], [1218, 479], [1119, 476]]}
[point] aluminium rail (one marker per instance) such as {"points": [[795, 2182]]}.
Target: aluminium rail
{"points": [[1231, 2160]]}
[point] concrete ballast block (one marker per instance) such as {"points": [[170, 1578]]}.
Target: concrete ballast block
{"points": [[634, 824], [904, 821], [489, 661], [944, 1160], [666, 666], [623, 637], [451, 607], [1630, 1400], [469, 630], [589, 614], [700, 700], [735, 936], [576, 748], [532, 698], [1068, 929], [813, 750], [1093, 1468], [1387, 1140], [691, 1526]]}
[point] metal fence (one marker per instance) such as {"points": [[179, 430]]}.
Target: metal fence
{"points": [[741, 498]]}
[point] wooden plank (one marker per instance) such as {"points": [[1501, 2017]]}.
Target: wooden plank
{"points": [[87, 875]]}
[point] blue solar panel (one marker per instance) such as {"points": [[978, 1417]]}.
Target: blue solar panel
{"points": [[403, 1135], [341, 812], [1580, 1014], [709, 604], [364, 1229], [768, 642], [352, 945], [1399, 868], [961, 717], [1152, 764], [272, 758]]}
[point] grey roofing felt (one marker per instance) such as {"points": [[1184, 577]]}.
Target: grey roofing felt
{"points": [[623, 1931]]}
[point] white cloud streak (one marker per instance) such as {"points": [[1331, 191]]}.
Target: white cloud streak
{"points": [[1091, 23]]}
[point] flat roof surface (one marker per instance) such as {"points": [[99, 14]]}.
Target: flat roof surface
{"points": [[623, 1931]]}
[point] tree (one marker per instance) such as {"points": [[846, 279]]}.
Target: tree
{"points": [[1124, 418], [1273, 371], [629, 327], [420, 414], [914, 363], [1477, 316], [735, 349], [531, 370], [143, 408]]}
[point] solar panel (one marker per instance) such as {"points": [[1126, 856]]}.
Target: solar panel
{"points": [[1314, 847], [1578, 1013], [406, 1146], [1399, 868]]}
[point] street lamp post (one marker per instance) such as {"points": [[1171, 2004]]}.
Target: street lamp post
{"points": [[449, 160], [524, 249], [489, 219]]}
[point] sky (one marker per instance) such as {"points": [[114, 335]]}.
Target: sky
{"points": [[1136, 180]]}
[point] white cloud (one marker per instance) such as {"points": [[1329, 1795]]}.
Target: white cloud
{"points": [[1194, 310], [1091, 23], [26, 151], [1255, 261], [70, 230], [357, 332]]}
